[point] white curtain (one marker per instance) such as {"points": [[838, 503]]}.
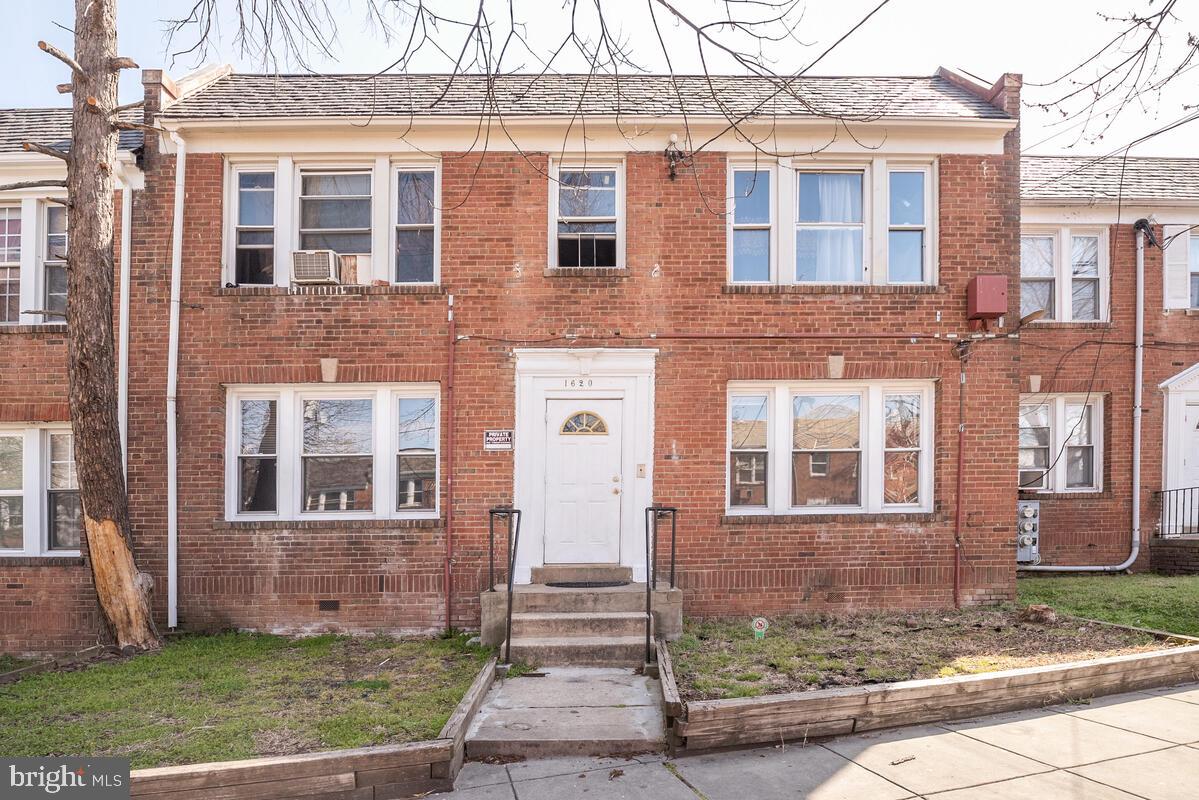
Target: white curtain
{"points": [[828, 255]]}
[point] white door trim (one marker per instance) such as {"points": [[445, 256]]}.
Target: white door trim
{"points": [[1180, 391], [600, 373]]}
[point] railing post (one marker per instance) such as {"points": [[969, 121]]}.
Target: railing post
{"points": [[491, 550], [650, 520], [512, 518]]}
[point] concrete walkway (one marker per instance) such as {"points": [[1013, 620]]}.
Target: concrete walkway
{"points": [[1138, 745]]}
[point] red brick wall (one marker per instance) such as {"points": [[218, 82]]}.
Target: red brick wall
{"points": [[1096, 528], [46, 604]]}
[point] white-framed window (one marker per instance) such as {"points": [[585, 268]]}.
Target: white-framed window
{"points": [[830, 226], [1063, 272], [587, 214], [335, 210], [417, 241], [40, 511], [830, 446], [813, 222], [1061, 443], [340, 451], [1194, 272], [254, 229], [10, 265], [54, 260], [751, 225]]}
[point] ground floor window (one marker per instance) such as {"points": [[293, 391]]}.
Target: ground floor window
{"points": [[40, 511], [1061, 438], [350, 451], [820, 446]]}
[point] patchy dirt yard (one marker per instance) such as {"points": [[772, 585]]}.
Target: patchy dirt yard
{"points": [[232, 696], [720, 658]]}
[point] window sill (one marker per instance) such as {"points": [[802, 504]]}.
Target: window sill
{"points": [[1080, 494], [328, 290], [1055, 326], [805, 288], [43, 329], [65, 560], [840, 516], [587, 272], [406, 523]]}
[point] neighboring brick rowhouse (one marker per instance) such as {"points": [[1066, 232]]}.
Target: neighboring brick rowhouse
{"points": [[1096, 528]]}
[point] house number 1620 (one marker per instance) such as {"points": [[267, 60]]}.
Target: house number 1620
{"points": [[577, 383]]}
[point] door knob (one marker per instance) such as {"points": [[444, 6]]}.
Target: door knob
{"points": [[616, 479], [615, 490]]}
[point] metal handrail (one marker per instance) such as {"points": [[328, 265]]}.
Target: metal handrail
{"points": [[512, 519], [1179, 512], [652, 514]]}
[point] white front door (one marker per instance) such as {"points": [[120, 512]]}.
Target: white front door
{"points": [[583, 481], [1190, 441]]}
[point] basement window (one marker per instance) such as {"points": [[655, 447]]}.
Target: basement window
{"points": [[843, 447], [1061, 443], [332, 452], [40, 511]]}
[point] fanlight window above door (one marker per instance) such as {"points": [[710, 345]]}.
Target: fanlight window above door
{"points": [[584, 423]]}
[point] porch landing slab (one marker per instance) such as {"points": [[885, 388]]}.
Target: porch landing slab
{"points": [[571, 711]]}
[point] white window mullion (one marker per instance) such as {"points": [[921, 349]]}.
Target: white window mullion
{"points": [[290, 430], [780, 451], [386, 413], [872, 443], [382, 219], [784, 268], [875, 247], [34, 514], [30, 266], [286, 219], [1065, 258]]}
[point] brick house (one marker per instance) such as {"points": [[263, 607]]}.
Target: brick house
{"points": [[1078, 362], [369, 328]]}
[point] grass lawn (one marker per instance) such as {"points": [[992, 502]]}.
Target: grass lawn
{"points": [[238, 695], [721, 658], [1147, 601]]}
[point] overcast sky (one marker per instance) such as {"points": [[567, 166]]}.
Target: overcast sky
{"points": [[1039, 38]]}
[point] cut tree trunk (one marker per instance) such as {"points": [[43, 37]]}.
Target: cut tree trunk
{"points": [[122, 590]]}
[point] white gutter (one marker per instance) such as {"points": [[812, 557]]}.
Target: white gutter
{"points": [[123, 324], [1135, 550], [173, 383]]}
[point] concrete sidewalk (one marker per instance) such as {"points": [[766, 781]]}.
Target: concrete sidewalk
{"points": [[1138, 745]]}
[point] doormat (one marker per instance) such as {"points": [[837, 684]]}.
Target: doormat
{"points": [[586, 584]]}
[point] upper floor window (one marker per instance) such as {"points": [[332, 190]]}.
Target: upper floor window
{"points": [[1194, 274], [1061, 443], [335, 212], [841, 446], [321, 451], [416, 232], [10, 264], [841, 231], [54, 260], [1063, 272], [254, 246], [588, 202], [40, 511]]}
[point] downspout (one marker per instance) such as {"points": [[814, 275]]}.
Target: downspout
{"points": [[173, 384], [123, 319], [963, 353], [1142, 228], [451, 344]]}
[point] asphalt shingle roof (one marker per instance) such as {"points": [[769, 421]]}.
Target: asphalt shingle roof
{"points": [[51, 127], [277, 96], [1109, 179]]}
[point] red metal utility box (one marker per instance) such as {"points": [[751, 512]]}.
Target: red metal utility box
{"points": [[986, 297]]}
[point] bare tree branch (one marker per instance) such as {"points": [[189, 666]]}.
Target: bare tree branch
{"points": [[53, 152], [12, 187], [61, 56]]}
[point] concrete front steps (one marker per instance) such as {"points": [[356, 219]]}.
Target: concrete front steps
{"points": [[567, 626]]}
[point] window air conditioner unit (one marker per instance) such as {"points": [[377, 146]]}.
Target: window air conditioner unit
{"points": [[315, 266]]}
